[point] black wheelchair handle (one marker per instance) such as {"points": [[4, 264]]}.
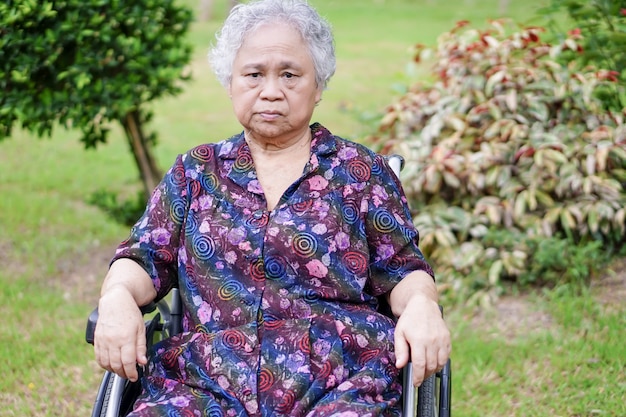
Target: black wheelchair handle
{"points": [[91, 326]]}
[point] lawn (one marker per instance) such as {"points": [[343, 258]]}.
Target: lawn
{"points": [[540, 354]]}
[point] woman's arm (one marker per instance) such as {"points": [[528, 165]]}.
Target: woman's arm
{"points": [[420, 331], [120, 340]]}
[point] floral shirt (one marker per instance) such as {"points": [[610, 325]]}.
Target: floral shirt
{"points": [[280, 306]]}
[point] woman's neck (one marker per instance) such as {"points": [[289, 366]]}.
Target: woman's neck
{"points": [[273, 147], [279, 164]]}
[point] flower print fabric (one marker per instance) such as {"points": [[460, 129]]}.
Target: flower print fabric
{"points": [[280, 306]]}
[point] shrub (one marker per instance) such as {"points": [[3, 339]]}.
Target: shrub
{"points": [[601, 32], [507, 151], [124, 212]]}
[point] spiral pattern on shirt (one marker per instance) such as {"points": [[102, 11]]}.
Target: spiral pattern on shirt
{"points": [[350, 211], [203, 247], [384, 222], [178, 176], [266, 379], [229, 290], [304, 344], [325, 370], [203, 153], [233, 339], [201, 328], [359, 170], [367, 356], [409, 234], [377, 168], [286, 402], [208, 181], [194, 189], [191, 224], [257, 271], [190, 275], [302, 206], [347, 342], [169, 358], [362, 229], [243, 162], [304, 244], [270, 321], [396, 264], [163, 256], [355, 262], [311, 296], [275, 268], [177, 210]]}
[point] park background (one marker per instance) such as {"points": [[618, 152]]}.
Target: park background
{"points": [[532, 353]]}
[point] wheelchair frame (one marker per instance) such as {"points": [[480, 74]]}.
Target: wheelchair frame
{"points": [[116, 395]]}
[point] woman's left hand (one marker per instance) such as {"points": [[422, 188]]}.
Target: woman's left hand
{"points": [[422, 337]]}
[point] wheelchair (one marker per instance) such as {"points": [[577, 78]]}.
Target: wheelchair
{"points": [[116, 395]]}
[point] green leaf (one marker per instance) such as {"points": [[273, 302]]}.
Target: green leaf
{"points": [[495, 271], [19, 76]]}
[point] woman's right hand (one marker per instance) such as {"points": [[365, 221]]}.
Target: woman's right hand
{"points": [[120, 335]]}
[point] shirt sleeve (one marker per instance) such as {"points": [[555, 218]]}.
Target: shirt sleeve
{"points": [[392, 238], [154, 240]]}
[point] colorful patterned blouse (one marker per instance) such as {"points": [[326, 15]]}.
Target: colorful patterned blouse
{"points": [[280, 306]]}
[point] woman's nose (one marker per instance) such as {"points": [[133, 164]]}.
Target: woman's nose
{"points": [[271, 89]]}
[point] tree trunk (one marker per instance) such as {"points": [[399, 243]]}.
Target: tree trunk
{"points": [[142, 152]]}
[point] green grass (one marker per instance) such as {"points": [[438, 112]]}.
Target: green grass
{"points": [[46, 369], [54, 247], [570, 364]]}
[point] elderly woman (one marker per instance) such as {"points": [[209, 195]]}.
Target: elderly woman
{"points": [[282, 239]]}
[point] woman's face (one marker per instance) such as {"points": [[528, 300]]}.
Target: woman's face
{"points": [[273, 87]]}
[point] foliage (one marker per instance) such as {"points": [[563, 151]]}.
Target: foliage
{"points": [[558, 261], [508, 140], [83, 64], [126, 212], [601, 35]]}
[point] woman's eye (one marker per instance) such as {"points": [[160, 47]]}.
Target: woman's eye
{"points": [[288, 75]]}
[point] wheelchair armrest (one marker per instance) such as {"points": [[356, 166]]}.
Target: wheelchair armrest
{"points": [[91, 326], [92, 320]]}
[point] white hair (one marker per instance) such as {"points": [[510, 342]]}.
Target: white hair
{"points": [[245, 18]]}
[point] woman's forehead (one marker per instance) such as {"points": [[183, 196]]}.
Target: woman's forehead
{"points": [[281, 42]]}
